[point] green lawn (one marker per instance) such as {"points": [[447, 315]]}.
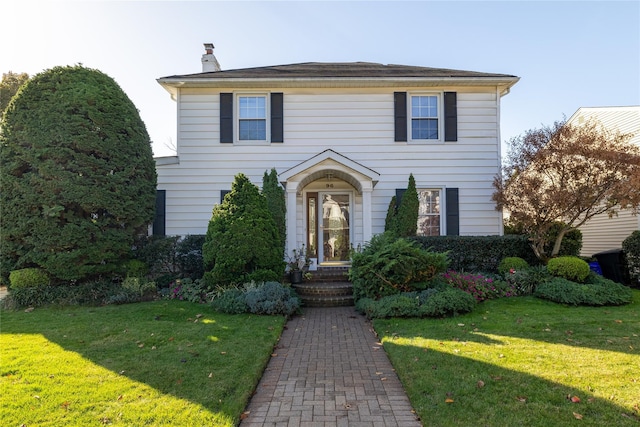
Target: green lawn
{"points": [[161, 363], [520, 361]]}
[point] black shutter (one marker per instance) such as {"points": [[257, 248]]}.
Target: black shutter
{"points": [[222, 194], [450, 116], [159, 218], [277, 117], [452, 212], [399, 194], [226, 117], [400, 115]]}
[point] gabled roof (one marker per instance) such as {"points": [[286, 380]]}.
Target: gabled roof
{"points": [[338, 74], [335, 69]]}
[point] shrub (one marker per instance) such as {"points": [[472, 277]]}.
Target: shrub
{"points": [[28, 278], [272, 298], [188, 290], [600, 291], [139, 287], [77, 175], [526, 280], [510, 264], [189, 256], [136, 268], [417, 304], [631, 248], [159, 253], [242, 241], [448, 302], [479, 253], [389, 265], [231, 301], [479, 286], [569, 267], [95, 292]]}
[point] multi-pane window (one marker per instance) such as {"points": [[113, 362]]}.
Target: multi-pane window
{"points": [[252, 118], [429, 213], [424, 117]]}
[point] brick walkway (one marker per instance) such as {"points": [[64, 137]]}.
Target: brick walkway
{"points": [[329, 370]]}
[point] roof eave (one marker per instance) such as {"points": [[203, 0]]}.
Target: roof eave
{"points": [[171, 83]]}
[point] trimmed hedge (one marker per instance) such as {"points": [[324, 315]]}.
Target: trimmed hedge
{"points": [[28, 278], [479, 253], [569, 267]]}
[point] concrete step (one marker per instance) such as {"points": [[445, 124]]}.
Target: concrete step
{"points": [[325, 294]]}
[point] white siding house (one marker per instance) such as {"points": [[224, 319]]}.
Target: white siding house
{"points": [[602, 233], [344, 138]]}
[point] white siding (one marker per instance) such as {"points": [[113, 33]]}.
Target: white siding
{"points": [[357, 124], [601, 232]]}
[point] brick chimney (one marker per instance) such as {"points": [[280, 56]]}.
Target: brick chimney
{"points": [[209, 62]]}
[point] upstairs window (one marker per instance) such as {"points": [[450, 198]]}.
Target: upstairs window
{"points": [[252, 118], [424, 117]]}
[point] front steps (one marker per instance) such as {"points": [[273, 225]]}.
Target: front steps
{"points": [[328, 287]]}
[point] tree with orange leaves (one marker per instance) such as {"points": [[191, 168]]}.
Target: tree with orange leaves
{"points": [[567, 173]]}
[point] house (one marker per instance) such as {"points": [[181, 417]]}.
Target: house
{"points": [[602, 233], [343, 138]]}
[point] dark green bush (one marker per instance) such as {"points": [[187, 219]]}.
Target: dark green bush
{"points": [[389, 265], [511, 263], [77, 176], [272, 298], [479, 253], [631, 248], [95, 292], [569, 267], [432, 302], [242, 241], [28, 278], [189, 256], [448, 302], [231, 301], [598, 292], [276, 201], [571, 242], [406, 220], [158, 253]]}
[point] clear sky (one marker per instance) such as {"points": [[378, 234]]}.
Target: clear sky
{"points": [[568, 54]]}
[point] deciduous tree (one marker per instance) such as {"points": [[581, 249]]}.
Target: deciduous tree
{"points": [[567, 173]]}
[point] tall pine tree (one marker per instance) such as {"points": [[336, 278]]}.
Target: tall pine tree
{"points": [[407, 216], [274, 193]]}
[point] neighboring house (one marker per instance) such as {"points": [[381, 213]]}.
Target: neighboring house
{"points": [[344, 138], [602, 233]]}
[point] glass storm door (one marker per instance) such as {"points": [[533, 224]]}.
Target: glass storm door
{"points": [[334, 226]]}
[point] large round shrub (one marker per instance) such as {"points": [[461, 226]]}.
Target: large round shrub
{"points": [[569, 267], [389, 265], [242, 242], [77, 175]]}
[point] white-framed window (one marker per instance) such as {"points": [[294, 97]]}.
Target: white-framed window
{"points": [[425, 111], [429, 218], [252, 117]]}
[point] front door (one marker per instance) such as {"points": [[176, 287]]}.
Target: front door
{"points": [[334, 237]]}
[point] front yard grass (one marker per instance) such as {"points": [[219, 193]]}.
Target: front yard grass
{"points": [[167, 363], [521, 361]]}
